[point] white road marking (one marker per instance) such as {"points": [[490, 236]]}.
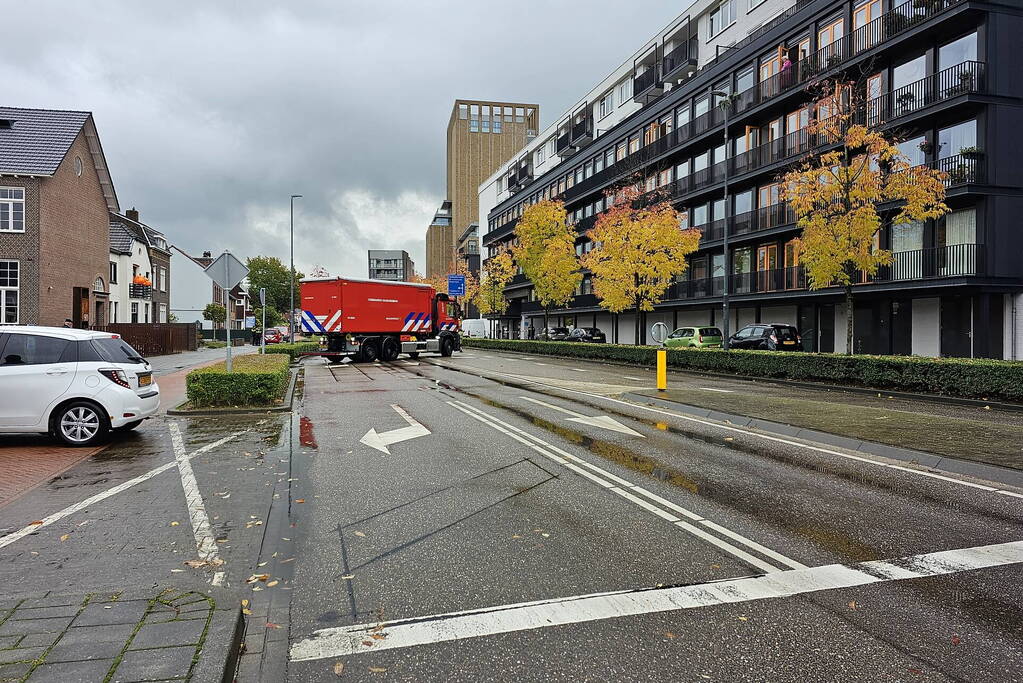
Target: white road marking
{"points": [[626, 489], [352, 640], [540, 364], [776, 439], [634, 379], [602, 421], [103, 495], [578, 370], [204, 541], [384, 439], [723, 391]]}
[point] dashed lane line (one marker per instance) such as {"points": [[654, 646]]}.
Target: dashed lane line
{"points": [[638, 495], [204, 541], [353, 640], [103, 495]]}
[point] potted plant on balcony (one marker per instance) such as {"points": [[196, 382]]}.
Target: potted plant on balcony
{"points": [[965, 84], [142, 280], [905, 101], [972, 153], [926, 146], [928, 5]]}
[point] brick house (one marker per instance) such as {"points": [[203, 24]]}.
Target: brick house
{"points": [[55, 195], [137, 249]]}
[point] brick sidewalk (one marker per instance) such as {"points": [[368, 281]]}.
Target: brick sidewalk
{"points": [[27, 462], [170, 634]]}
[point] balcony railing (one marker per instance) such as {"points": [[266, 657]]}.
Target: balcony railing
{"points": [[697, 287], [953, 260], [563, 147], [675, 61], [582, 132], [647, 83], [140, 291], [961, 79]]}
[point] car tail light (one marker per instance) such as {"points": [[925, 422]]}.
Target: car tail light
{"points": [[117, 377], [700, 339]]}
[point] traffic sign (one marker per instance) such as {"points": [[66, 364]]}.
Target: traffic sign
{"points": [[659, 332], [262, 296], [456, 285], [227, 270]]}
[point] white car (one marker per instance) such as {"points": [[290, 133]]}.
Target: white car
{"points": [[76, 385]]}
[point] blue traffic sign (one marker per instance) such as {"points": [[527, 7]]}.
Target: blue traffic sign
{"points": [[456, 285]]}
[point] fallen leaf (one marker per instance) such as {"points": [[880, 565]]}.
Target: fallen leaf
{"points": [[377, 669], [852, 604], [290, 559], [261, 564], [348, 577], [715, 566], [956, 639], [728, 438], [339, 668], [65, 537], [246, 611], [743, 618], [270, 624], [300, 500], [378, 636], [245, 603], [368, 643], [257, 577], [669, 635], [272, 583], [175, 571], [36, 523], [175, 523], [360, 534], [516, 536]]}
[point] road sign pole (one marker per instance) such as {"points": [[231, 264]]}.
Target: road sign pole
{"points": [[262, 327], [227, 316]]}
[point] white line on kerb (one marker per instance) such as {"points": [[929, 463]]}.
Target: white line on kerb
{"points": [[204, 541], [351, 640], [103, 495], [723, 391], [768, 437], [635, 494]]}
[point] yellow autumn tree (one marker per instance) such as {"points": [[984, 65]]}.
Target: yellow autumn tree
{"points": [[639, 251], [835, 197], [545, 250], [497, 273]]}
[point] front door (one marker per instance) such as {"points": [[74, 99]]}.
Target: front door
{"points": [[792, 278], [767, 264]]}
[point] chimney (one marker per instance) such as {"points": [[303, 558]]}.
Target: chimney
{"points": [[132, 214]]}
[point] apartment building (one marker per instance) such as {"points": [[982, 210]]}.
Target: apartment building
{"points": [[937, 73], [481, 136], [390, 264]]}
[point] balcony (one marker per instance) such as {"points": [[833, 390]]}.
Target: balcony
{"points": [[962, 79], [962, 169], [582, 132], [140, 291], [564, 147], [648, 84], [519, 177], [954, 260], [678, 65]]}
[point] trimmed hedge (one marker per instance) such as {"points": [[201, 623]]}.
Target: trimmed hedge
{"points": [[254, 381], [292, 350], [964, 377]]}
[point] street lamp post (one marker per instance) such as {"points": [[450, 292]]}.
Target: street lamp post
{"points": [[291, 274], [728, 99]]}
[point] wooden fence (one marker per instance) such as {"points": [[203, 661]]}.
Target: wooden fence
{"points": [[156, 339]]}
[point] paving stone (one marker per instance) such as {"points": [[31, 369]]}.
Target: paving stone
{"points": [[74, 652], [14, 672], [8, 641], [186, 632], [130, 612], [16, 627], [155, 665], [72, 672], [99, 634], [44, 612], [53, 601], [21, 654], [38, 640]]}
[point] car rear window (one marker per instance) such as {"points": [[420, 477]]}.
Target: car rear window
{"points": [[116, 351], [592, 330], [710, 332], [783, 332], [560, 330]]}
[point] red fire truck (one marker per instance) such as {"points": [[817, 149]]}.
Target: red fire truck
{"points": [[370, 320]]}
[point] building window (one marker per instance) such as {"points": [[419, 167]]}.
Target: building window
{"points": [[114, 306], [162, 275], [113, 272], [958, 51], [955, 138], [163, 313], [540, 156], [721, 18], [497, 125], [134, 311], [624, 91], [9, 292], [78, 166], [12, 209], [605, 105], [147, 313], [463, 111], [756, 3], [474, 125]]}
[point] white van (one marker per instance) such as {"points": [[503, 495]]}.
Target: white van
{"points": [[475, 327]]}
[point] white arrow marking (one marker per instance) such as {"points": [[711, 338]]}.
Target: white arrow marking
{"points": [[602, 421], [381, 441]]}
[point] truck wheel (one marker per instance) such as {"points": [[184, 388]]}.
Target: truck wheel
{"points": [[445, 346], [389, 350], [413, 355], [370, 351]]}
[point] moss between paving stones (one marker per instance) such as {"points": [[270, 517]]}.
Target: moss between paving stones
{"points": [[941, 435], [963, 377]]}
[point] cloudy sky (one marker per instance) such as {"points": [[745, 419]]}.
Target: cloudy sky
{"points": [[212, 113]]}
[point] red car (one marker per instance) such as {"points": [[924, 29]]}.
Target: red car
{"points": [[273, 336]]}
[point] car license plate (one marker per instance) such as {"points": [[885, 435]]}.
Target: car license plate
{"points": [[789, 342], [145, 380]]}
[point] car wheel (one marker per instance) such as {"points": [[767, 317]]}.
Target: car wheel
{"points": [[389, 350], [370, 351], [445, 346], [80, 424], [128, 427]]}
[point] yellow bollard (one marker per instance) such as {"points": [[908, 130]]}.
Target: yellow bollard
{"points": [[662, 370]]}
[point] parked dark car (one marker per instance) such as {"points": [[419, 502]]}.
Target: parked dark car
{"points": [[767, 337], [554, 334], [587, 334]]}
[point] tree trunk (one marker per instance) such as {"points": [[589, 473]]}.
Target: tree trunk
{"points": [[848, 320], [639, 325], [546, 322]]}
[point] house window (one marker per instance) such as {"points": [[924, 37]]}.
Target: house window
{"points": [[624, 91], [958, 51], [721, 18], [634, 145], [9, 292], [113, 272], [114, 306], [955, 138], [830, 33], [12, 209], [497, 125], [134, 311], [463, 111], [605, 105], [540, 154], [147, 313], [162, 275]]}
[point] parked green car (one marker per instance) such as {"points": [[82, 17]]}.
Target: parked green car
{"points": [[694, 338]]}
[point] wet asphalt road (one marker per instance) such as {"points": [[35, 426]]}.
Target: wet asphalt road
{"points": [[508, 493]]}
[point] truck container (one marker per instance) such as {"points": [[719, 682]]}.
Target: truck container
{"points": [[368, 320]]}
